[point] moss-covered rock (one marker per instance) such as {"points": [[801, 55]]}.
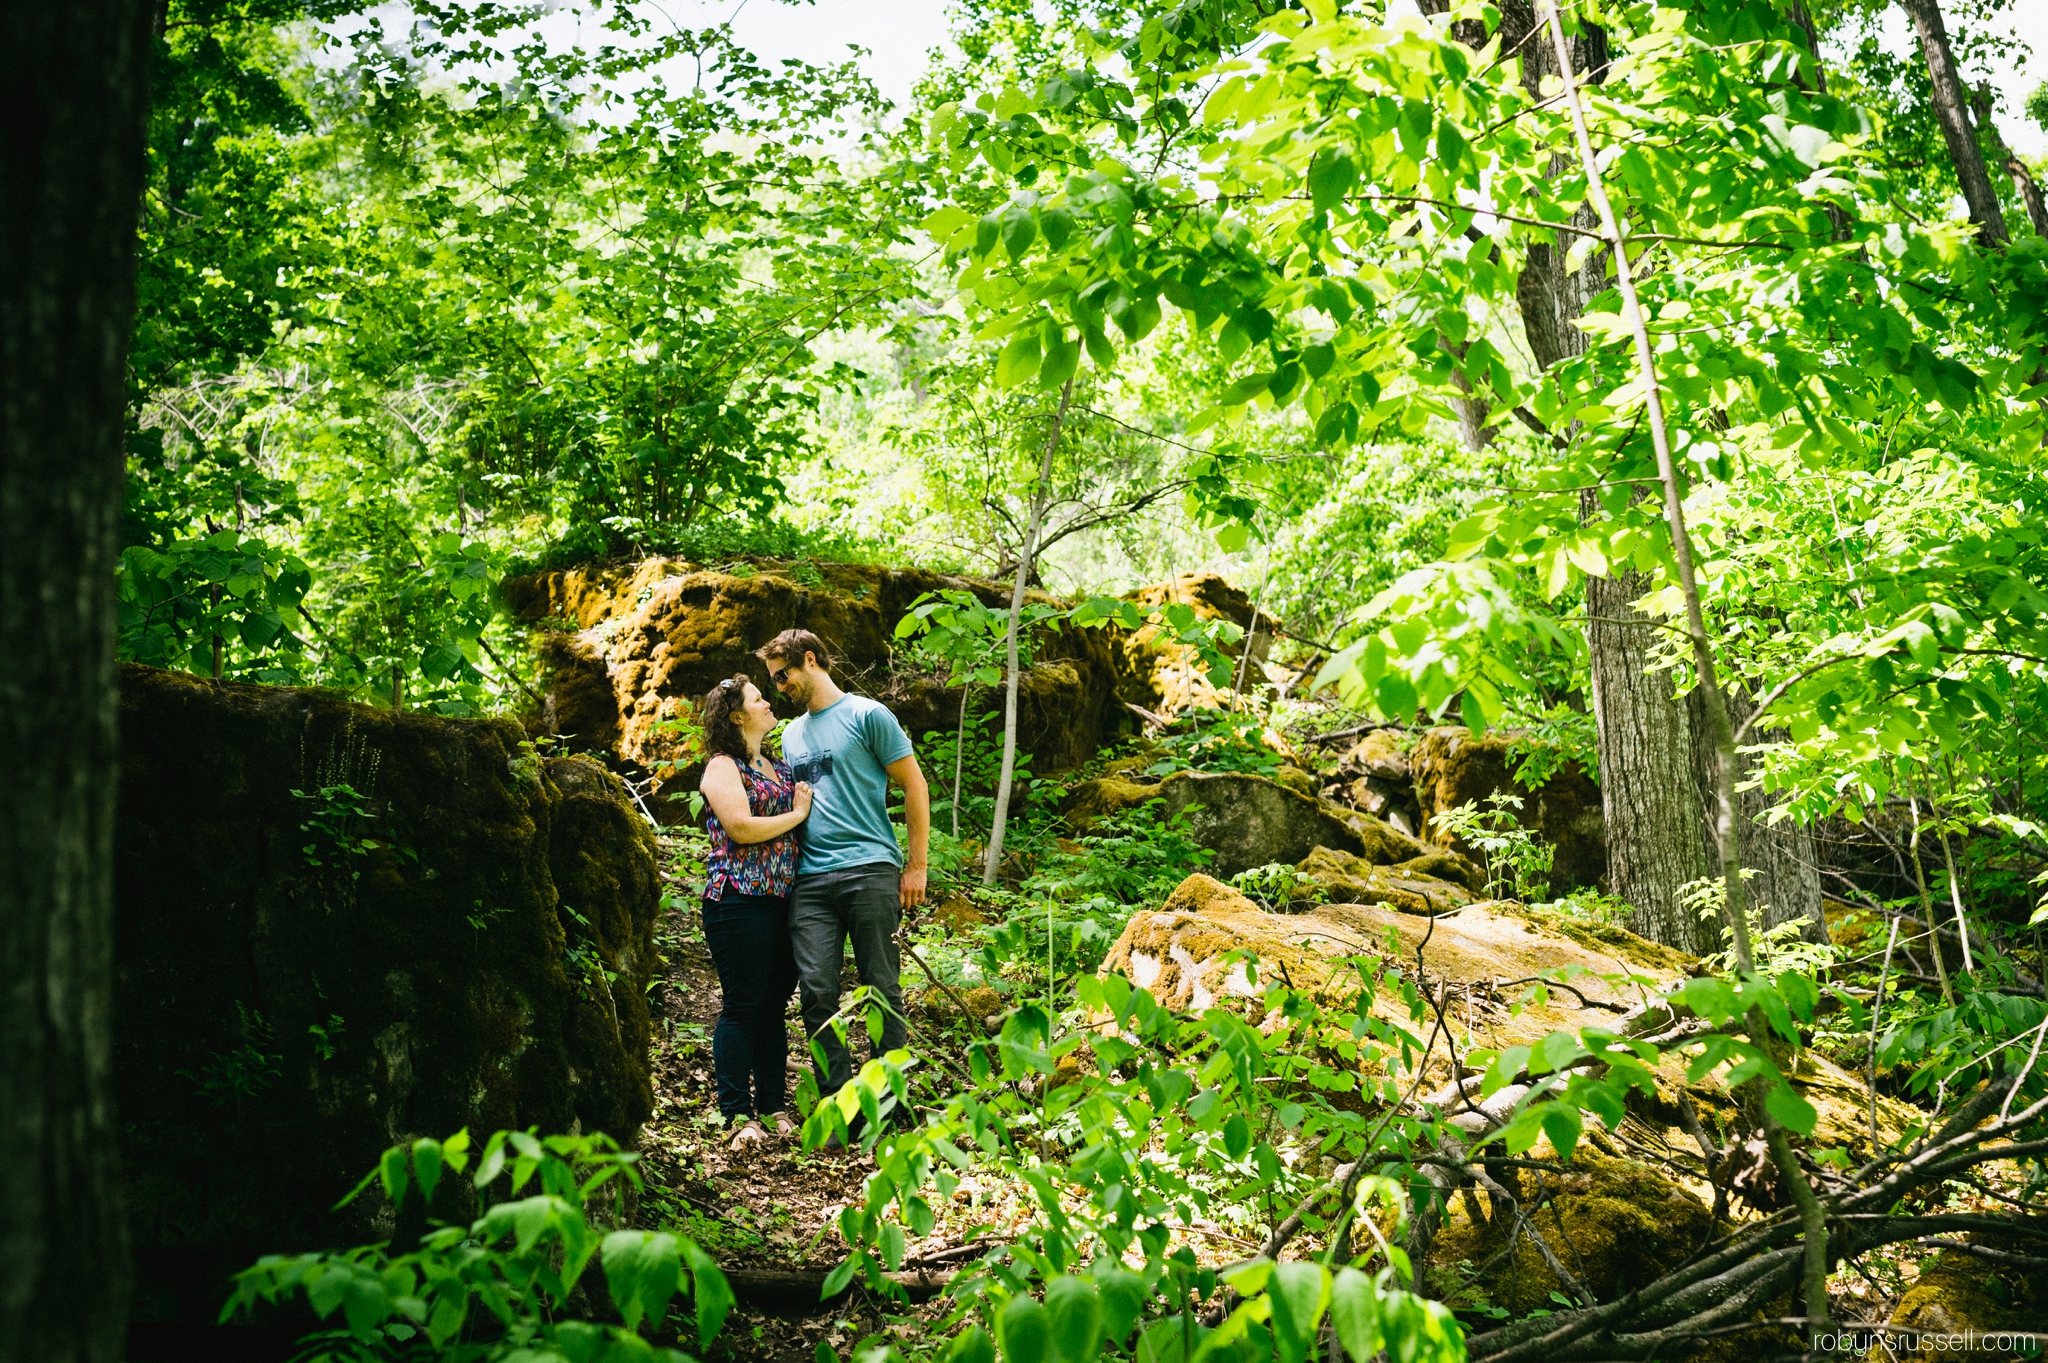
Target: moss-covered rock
{"points": [[1164, 677], [1615, 1224], [1452, 767], [1960, 1292], [629, 647], [1250, 821], [1412, 886], [439, 932], [1179, 952]]}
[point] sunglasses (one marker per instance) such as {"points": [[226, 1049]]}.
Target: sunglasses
{"points": [[776, 674]]}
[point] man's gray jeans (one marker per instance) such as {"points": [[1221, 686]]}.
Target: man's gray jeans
{"points": [[861, 902]]}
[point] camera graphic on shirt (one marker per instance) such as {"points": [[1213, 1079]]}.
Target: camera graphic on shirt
{"points": [[813, 768]]}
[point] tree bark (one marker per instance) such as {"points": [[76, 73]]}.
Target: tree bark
{"points": [[1656, 839], [999, 824], [1952, 111], [1655, 842], [1785, 864], [2023, 182], [74, 103]]}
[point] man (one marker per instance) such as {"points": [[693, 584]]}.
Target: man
{"points": [[851, 879]]}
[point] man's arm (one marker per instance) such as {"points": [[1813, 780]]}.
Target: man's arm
{"points": [[917, 812]]}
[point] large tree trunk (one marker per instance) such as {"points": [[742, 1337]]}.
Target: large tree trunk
{"points": [[1785, 884], [1952, 111], [1656, 842], [73, 109]]}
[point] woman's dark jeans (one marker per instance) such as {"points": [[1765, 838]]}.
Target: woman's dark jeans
{"points": [[749, 939]]}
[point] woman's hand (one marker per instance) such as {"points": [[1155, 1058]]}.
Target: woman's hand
{"points": [[801, 803]]}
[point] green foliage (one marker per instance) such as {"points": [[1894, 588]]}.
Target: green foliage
{"points": [[181, 603], [1213, 740], [1171, 1118], [500, 1288], [1279, 886], [1131, 857], [336, 828], [1774, 950], [246, 1071], [1517, 862], [1551, 741], [1213, 640], [1988, 1031], [954, 629], [326, 1037]]}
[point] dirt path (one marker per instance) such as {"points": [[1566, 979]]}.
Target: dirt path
{"points": [[765, 1206]]}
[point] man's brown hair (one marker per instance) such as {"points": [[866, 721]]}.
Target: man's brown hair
{"points": [[791, 645]]}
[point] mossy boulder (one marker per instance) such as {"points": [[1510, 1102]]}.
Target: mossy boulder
{"points": [[1428, 884], [1165, 677], [1960, 1292], [1250, 821], [1452, 767], [1179, 951], [628, 648], [1615, 1224], [440, 932]]}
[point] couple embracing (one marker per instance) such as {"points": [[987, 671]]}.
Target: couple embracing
{"points": [[803, 858]]}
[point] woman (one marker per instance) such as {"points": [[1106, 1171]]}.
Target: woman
{"points": [[756, 806]]}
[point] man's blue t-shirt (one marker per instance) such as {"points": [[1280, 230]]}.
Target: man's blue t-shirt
{"points": [[842, 751]]}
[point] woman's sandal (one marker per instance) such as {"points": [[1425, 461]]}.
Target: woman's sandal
{"points": [[784, 1127], [750, 1133]]}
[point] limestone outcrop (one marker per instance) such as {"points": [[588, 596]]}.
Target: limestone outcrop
{"points": [[1177, 952], [339, 928], [627, 649], [1450, 767], [1164, 677], [1250, 821], [1376, 776]]}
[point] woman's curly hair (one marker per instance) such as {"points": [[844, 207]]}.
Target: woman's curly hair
{"points": [[721, 710]]}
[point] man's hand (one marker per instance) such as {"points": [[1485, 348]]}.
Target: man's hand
{"points": [[910, 889]]}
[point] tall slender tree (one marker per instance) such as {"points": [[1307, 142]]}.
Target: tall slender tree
{"points": [[74, 98], [1952, 112]]}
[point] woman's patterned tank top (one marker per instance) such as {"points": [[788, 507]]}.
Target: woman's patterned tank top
{"points": [[764, 868]]}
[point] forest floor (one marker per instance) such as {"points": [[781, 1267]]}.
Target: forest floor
{"points": [[764, 1209], [766, 1205]]}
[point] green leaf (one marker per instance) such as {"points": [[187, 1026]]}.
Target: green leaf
{"points": [[972, 1346], [1019, 360], [426, 1165], [891, 1243], [1074, 1310], [1246, 388], [1502, 1072], [1330, 177], [1019, 231], [1355, 1309], [391, 1169], [838, 1278], [1057, 224], [1297, 1296], [1123, 1300], [1791, 1111], [1060, 363], [1562, 1123], [1025, 1331]]}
